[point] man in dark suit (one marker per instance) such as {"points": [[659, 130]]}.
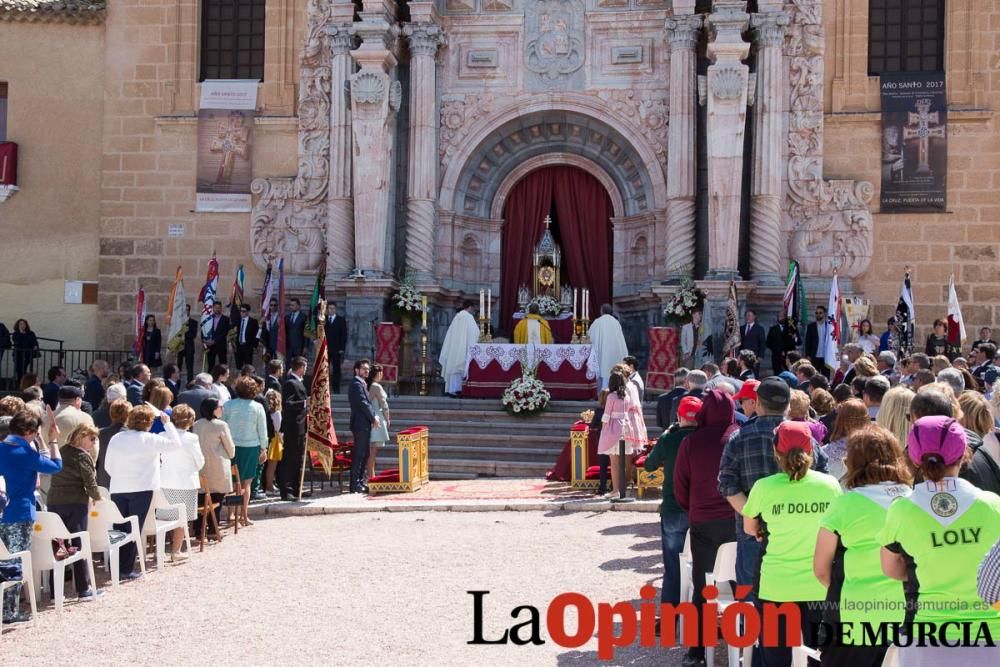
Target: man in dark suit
{"points": [[186, 358], [362, 420], [853, 352], [93, 392], [295, 330], [215, 343], [696, 381], [748, 365], [752, 335], [665, 401], [172, 378], [269, 330], [816, 336], [246, 337], [201, 390], [138, 376], [293, 429], [50, 392], [336, 343], [782, 338], [275, 369]]}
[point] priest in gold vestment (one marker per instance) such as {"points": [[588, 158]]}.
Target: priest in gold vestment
{"points": [[533, 328]]}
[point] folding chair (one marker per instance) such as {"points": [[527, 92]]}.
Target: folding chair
{"points": [[206, 510], [233, 502], [101, 528], [27, 580]]}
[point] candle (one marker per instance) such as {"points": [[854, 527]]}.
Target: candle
{"points": [[489, 304], [574, 303], [586, 303], [482, 305], [423, 315]]}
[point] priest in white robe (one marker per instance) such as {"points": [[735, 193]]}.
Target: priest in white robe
{"points": [[609, 343], [462, 334]]}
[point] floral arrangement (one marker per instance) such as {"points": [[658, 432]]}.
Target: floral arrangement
{"points": [[546, 305], [527, 394], [408, 298], [685, 302]]}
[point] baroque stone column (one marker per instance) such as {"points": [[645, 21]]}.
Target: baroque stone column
{"points": [[682, 33], [770, 108], [375, 98], [727, 97], [421, 195], [340, 205]]}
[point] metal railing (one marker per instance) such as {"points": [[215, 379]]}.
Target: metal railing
{"points": [[52, 352]]}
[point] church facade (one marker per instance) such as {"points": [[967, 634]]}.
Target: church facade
{"points": [[718, 139]]}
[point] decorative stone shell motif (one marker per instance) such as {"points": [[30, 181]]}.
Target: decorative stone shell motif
{"points": [[728, 83], [367, 88]]}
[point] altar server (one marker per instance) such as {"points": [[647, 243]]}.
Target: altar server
{"points": [[533, 328], [608, 341], [462, 334]]}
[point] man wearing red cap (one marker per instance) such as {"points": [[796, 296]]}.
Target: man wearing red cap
{"points": [[746, 398], [673, 519]]}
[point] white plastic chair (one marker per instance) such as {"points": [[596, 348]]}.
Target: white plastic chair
{"points": [[159, 528], [48, 527], [686, 587], [27, 580], [891, 657], [724, 571], [104, 493], [103, 518]]}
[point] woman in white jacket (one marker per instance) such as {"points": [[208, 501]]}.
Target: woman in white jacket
{"points": [[133, 463], [179, 470]]}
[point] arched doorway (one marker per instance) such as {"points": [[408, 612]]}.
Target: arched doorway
{"points": [[581, 211]]}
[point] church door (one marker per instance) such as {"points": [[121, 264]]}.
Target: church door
{"points": [[581, 213]]}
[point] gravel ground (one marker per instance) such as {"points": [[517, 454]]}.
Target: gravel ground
{"points": [[365, 589]]}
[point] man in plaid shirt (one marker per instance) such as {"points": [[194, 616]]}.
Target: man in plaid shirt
{"points": [[749, 456]]}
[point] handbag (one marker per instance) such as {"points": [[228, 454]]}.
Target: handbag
{"points": [[275, 448]]}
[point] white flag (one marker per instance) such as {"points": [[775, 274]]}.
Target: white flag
{"points": [[955, 321], [831, 354], [178, 306]]}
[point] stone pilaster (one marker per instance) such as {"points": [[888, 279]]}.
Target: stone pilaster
{"points": [[340, 205], [682, 33], [770, 109], [727, 96], [421, 195], [375, 99]]}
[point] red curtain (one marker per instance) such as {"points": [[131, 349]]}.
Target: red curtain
{"points": [[583, 211], [529, 201], [583, 214]]}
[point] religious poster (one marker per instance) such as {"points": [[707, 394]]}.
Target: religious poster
{"points": [[914, 142], [225, 143]]}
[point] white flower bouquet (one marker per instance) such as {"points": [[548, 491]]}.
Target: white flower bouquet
{"points": [[408, 298], [685, 302], [547, 306]]}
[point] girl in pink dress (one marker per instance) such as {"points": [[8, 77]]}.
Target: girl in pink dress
{"points": [[623, 420]]}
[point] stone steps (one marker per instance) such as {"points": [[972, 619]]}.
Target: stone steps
{"points": [[477, 438]]}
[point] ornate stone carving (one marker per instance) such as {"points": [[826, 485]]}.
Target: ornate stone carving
{"points": [[457, 115], [683, 31], [649, 111], [554, 34], [367, 87], [769, 28], [395, 95], [289, 215], [424, 38], [728, 83], [828, 223], [498, 5]]}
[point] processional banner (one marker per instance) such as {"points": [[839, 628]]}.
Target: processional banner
{"points": [[914, 142], [225, 142]]}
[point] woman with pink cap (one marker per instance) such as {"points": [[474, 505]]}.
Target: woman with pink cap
{"points": [[935, 539]]}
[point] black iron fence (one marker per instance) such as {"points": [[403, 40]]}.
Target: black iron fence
{"points": [[51, 352]]}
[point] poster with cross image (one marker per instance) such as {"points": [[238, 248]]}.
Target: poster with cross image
{"points": [[225, 145], [914, 142]]}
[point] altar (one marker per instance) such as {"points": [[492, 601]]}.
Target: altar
{"points": [[569, 372]]}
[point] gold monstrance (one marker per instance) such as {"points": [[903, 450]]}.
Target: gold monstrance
{"points": [[547, 260]]}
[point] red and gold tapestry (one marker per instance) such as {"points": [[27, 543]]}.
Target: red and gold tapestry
{"points": [[321, 436]]}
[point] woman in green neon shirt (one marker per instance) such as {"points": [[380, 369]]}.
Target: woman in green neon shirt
{"points": [[936, 539], [876, 475], [784, 512]]}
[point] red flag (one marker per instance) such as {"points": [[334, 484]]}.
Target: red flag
{"points": [[140, 323], [280, 352], [320, 433]]}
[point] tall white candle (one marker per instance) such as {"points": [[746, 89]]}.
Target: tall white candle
{"points": [[489, 304], [586, 303], [482, 299], [574, 303]]}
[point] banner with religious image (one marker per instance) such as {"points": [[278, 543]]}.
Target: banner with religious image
{"points": [[225, 143], [914, 142]]}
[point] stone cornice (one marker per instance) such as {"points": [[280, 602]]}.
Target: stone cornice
{"points": [[53, 11]]}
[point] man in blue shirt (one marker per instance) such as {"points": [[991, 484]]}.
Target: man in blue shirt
{"points": [[20, 464], [885, 340]]}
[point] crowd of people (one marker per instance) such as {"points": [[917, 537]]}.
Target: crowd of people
{"points": [[872, 485], [126, 435]]}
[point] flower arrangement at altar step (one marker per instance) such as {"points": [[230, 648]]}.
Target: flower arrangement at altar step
{"points": [[686, 301], [408, 298], [547, 306], [526, 395]]}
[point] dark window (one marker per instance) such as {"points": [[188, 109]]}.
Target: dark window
{"points": [[3, 111], [232, 39], [905, 36]]}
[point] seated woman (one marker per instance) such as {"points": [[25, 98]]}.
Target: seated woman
{"points": [[133, 463], [179, 470], [218, 449], [248, 429], [72, 489]]}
